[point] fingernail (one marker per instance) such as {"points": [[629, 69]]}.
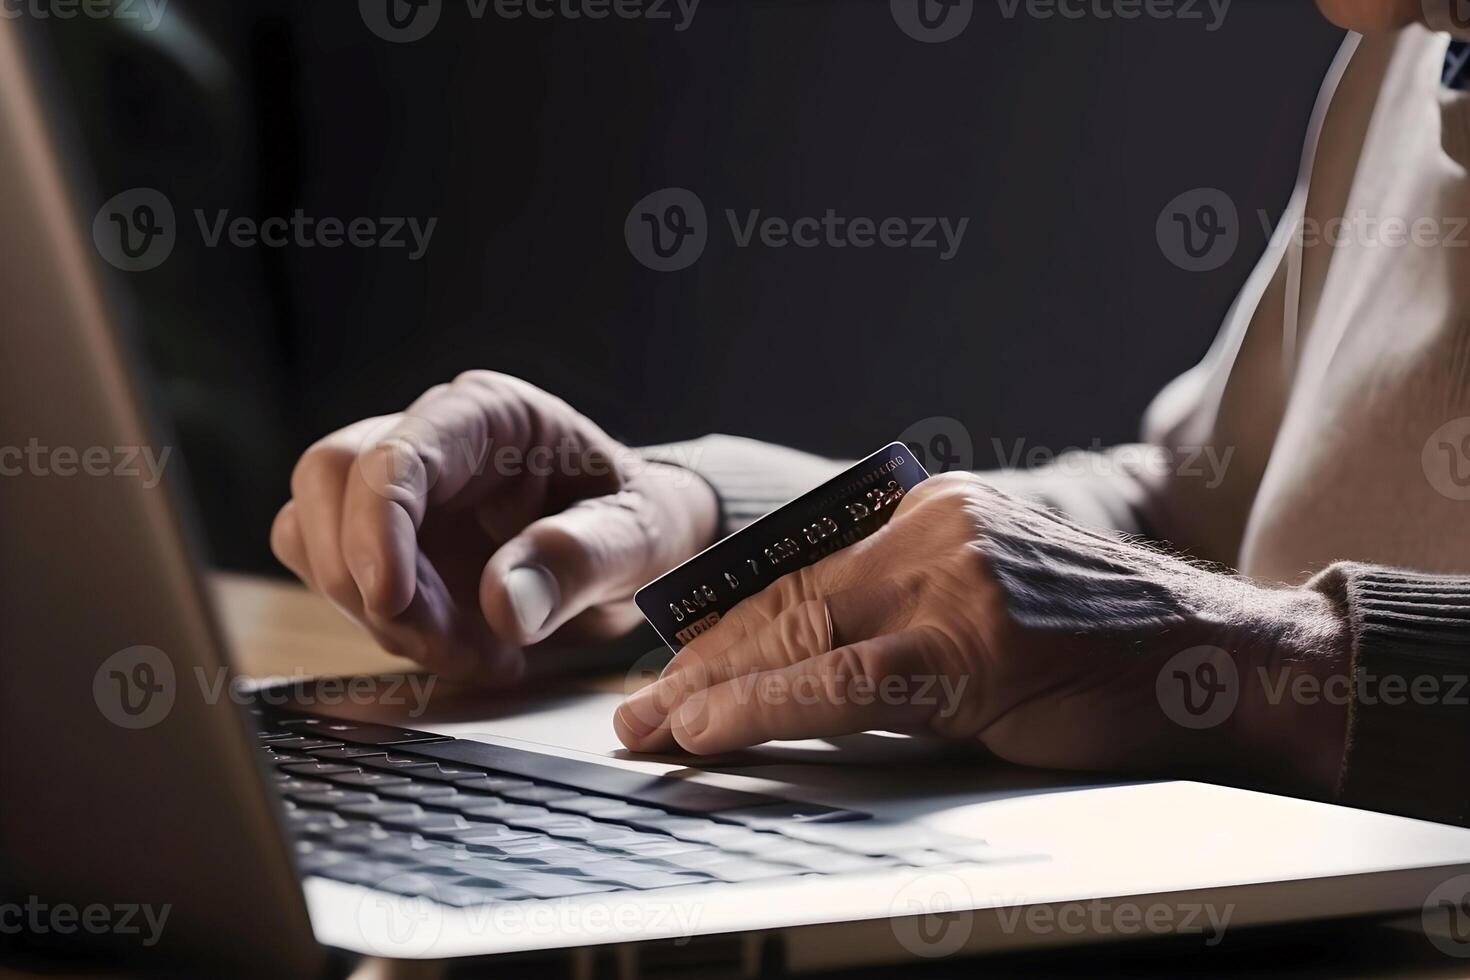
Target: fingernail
{"points": [[533, 595], [693, 714], [638, 715]]}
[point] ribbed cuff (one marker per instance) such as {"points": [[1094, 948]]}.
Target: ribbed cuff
{"points": [[750, 478], [1409, 720]]}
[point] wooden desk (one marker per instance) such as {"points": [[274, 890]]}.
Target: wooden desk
{"points": [[278, 629]]}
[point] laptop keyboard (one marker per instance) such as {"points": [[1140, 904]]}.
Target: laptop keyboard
{"points": [[467, 823]]}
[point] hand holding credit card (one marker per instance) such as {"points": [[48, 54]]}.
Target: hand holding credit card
{"points": [[691, 598]]}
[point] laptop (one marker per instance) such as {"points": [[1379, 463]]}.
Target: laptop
{"points": [[155, 822]]}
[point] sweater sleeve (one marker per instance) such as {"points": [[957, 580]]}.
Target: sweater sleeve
{"points": [[1409, 717], [752, 478]]}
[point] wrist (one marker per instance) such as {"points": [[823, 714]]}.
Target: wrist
{"points": [[688, 505], [1293, 656]]}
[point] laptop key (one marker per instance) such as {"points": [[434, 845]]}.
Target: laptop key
{"points": [[358, 732], [425, 822], [369, 780], [417, 768], [662, 848], [477, 893], [295, 784], [380, 809], [622, 812], [406, 790], [646, 878], [482, 783], [332, 797], [477, 835], [340, 752], [507, 812], [539, 794], [583, 804], [301, 743], [551, 886], [454, 799], [318, 768]]}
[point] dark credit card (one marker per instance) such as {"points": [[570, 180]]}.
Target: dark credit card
{"points": [[687, 601]]}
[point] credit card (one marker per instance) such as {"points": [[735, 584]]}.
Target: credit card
{"points": [[687, 601]]}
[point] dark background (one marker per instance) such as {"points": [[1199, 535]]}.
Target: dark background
{"points": [[529, 141]]}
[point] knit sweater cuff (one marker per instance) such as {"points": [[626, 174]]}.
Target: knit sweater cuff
{"points": [[750, 478], [1409, 719]]}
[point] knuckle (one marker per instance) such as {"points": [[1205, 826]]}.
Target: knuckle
{"points": [[284, 530], [848, 664], [797, 634], [338, 583], [315, 472]]}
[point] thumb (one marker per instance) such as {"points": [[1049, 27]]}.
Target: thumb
{"points": [[594, 552]]}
